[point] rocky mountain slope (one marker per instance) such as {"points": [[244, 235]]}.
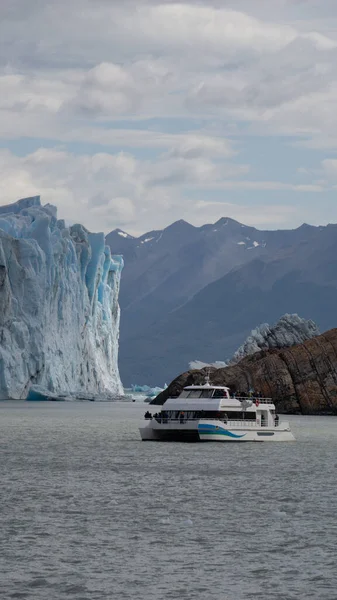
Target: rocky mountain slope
{"points": [[301, 379], [196, 292]]}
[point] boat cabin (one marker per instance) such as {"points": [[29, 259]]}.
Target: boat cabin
{"points": [[205, 391], [215, 402]]}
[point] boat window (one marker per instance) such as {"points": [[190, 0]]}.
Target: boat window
{"points": [[219, 394], [195, 394], [211, 414], [184, 394], [235, 415], [206, 394]]}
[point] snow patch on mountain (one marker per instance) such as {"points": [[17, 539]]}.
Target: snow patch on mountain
{"points": [[123, 234], [59, 312]]}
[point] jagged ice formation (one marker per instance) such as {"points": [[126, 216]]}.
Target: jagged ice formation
{"points": [[198, 364], [288, 331], [59, 312]]}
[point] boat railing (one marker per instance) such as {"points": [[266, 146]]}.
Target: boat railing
{"points": [[232, 423], [179, 420], [253, 399]]}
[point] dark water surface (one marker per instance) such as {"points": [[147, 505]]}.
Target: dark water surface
{"points": [[90, 512]]}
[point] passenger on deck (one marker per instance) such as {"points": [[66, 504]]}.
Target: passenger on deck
{"points": [[147, 415], [277, 418]]}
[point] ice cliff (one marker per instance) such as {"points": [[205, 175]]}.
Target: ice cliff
{"points": [[59, 312], [288, 331]]}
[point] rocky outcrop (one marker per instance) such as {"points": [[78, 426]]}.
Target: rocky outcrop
{"points": [[301, 379]]}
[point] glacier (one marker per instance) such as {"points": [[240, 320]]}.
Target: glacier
{"points": [[199, 364], [59, 311], [290, 329]]}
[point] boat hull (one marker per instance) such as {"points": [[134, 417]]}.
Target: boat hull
{"points": [[212, 431]]}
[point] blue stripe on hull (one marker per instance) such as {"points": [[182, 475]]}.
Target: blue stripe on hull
{"points": [[208, 429]]}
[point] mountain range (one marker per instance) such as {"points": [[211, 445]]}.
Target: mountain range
{"points": [[196, 292]]}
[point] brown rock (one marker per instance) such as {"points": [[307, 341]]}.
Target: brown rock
{"points": [[301, 379]]}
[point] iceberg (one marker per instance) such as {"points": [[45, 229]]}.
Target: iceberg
{"points": [[146, 389], [59, 312], [143, 392]]}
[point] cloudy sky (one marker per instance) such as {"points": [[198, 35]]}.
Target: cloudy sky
{"points": [[135, 114]]}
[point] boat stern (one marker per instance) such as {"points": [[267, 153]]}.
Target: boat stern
{"points": [[147, 433]]}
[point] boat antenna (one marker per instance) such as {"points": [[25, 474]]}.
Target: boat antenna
{"points": [[207, 377]]}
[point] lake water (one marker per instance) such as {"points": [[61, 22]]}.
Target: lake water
{"points": [[89, 512]]}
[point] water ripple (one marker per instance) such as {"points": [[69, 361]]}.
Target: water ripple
{"points": [[88, 512]]}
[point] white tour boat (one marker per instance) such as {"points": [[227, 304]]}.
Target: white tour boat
{"points": [[208, 413]]}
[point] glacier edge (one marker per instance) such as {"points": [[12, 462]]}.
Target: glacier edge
{"points": [[59, 312]]}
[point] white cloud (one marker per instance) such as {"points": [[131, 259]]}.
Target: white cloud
{"points": [[166, 78], [107, 59], [93, 30], [207, 29], [104, 191], [99, 190], [106, 90], [87, 30], [330, 168], [193, 146], [264, 186], [33, 93]]}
